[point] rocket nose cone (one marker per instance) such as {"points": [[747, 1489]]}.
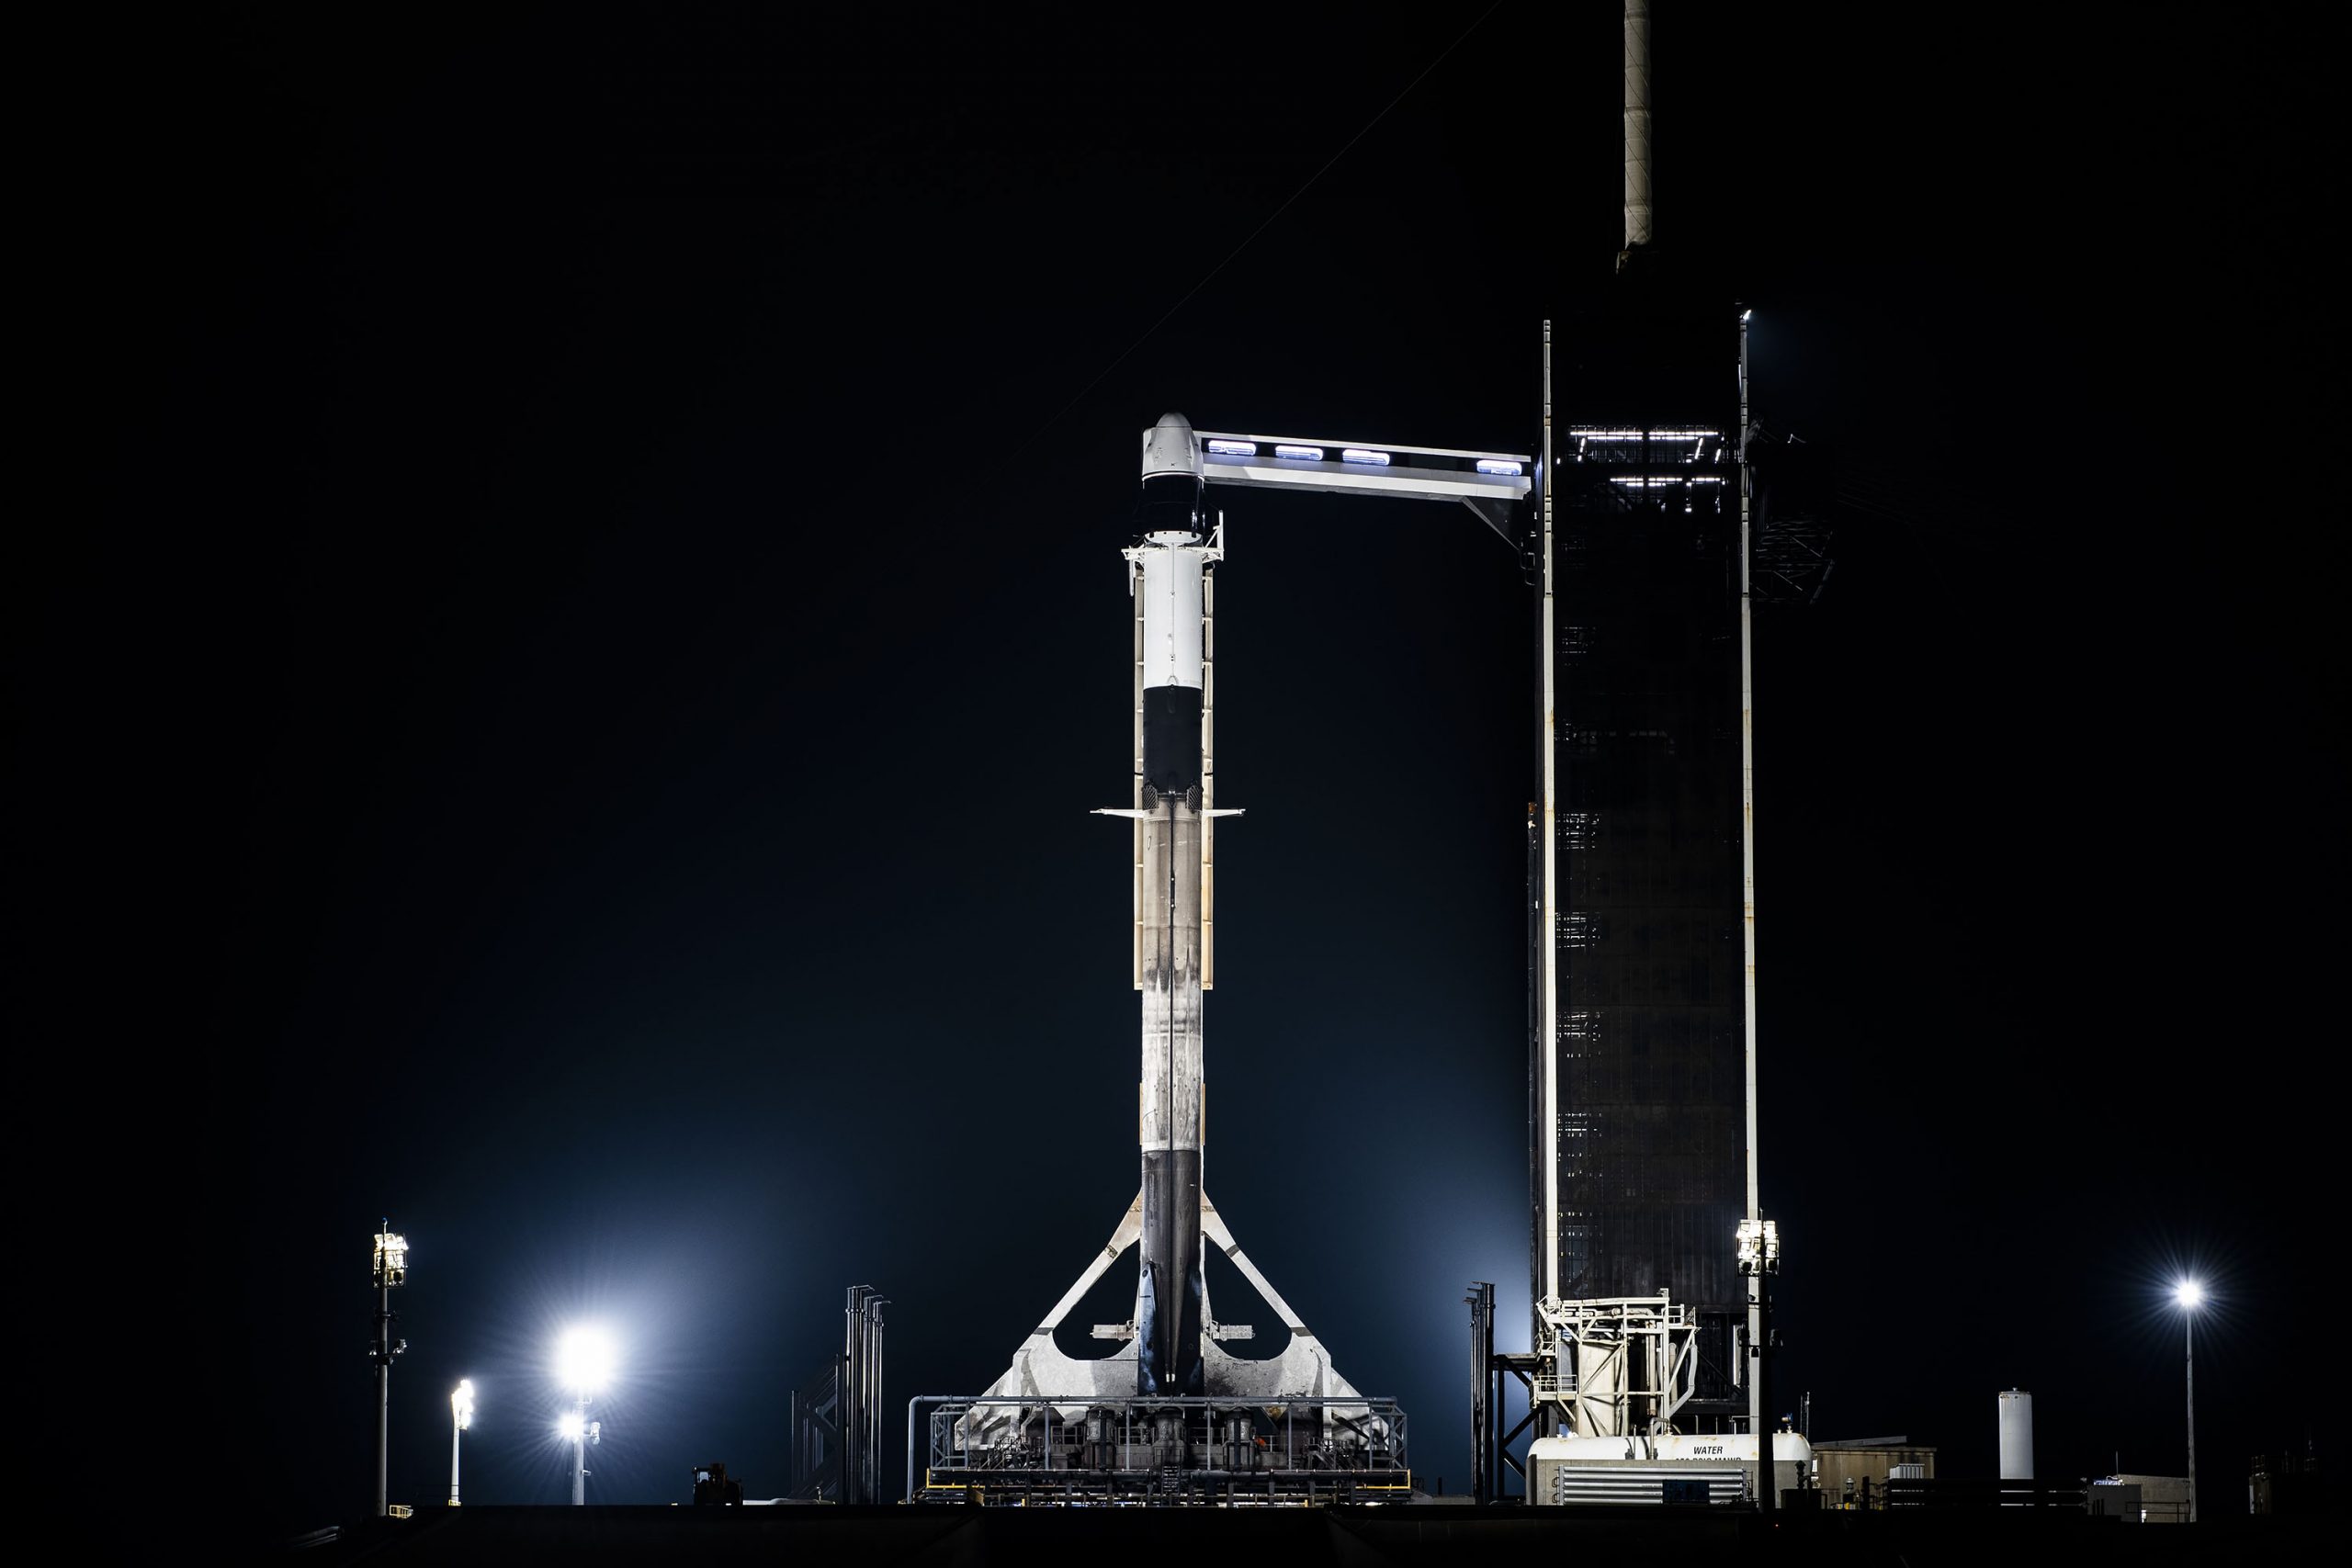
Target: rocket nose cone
{"points": [[1170, 447]]}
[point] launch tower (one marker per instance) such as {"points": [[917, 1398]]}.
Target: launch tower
{"points": [[1650, 1256]]}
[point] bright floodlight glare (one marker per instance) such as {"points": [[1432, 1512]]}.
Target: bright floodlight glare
{"points": [[569, 1427], [2189, 1292], [584, 1360], [461, 1402], [391, 1257], [1759, 1244]]}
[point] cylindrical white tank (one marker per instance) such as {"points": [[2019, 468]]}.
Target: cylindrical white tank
{"points": [[2016, 1435]]}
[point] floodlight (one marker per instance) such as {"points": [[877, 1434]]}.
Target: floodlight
{"points": [[391, 1257], [1759, 1247], [575, 1427], [584, 1360], [462, 1415], [2189, 1293]]}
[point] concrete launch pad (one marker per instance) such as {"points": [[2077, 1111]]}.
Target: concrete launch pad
{"points": [[1404, 1534]]}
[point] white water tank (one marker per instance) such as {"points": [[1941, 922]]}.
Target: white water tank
{"points": [[2016, 1435], [1684, 1468]]}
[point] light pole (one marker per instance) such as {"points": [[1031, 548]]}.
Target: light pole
{"points": [[2189, 1293], [575, 1427], [584, 1364], [462, 1415], [391, 1269], [1759, 1259]]}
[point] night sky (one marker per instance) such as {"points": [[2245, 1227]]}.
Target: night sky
{"points": [[564, 707]]}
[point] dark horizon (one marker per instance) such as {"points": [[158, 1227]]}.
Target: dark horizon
{"points": [[572, 722]]}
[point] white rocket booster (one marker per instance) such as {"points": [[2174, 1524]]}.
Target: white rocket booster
{"points": [[1169, 561], [1171, 1348]]}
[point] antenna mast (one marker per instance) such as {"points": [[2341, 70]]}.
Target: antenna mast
{"points": [[1637, 130]]}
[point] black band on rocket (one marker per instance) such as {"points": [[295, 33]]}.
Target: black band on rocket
{"points": [[1172, 738]]}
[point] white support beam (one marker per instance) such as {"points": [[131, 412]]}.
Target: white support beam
{"points": [[1411, 473]]}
